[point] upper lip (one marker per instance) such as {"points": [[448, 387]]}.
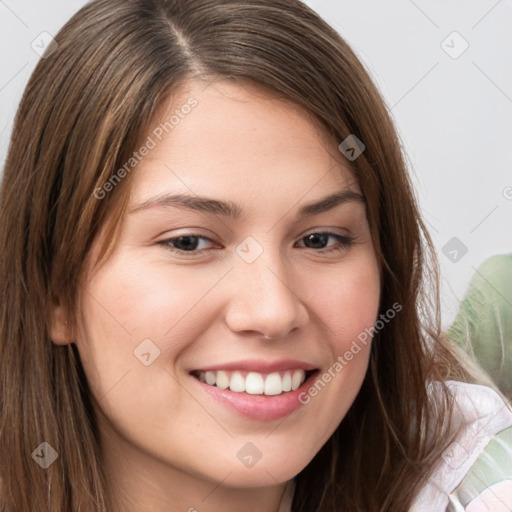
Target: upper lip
{"points": [[259, 365]]}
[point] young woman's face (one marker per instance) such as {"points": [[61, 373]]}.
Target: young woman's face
{"points": [[231, 268]]}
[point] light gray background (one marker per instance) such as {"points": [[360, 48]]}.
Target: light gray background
{"points": [[454, 115]]}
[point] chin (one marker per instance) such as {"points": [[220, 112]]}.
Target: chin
{"points": [[278, 470]]}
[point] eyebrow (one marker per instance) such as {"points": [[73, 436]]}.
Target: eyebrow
{"points": [[233, 210]]}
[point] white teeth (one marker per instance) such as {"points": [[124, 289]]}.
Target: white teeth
{"points": [[287, 382], [255, 383], [222, 380], [297, 379], [237, 382], [273, 384]]}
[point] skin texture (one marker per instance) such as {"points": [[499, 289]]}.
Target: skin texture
{"points": [[168, 445]]}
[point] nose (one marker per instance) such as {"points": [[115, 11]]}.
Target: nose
{"points": [[265, 300]]}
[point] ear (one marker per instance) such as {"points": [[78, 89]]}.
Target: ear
{"points": [[61, 331]]}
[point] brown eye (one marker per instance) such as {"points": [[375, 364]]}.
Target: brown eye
{"points": [[187, 243], [317, 240], [320, 240]]}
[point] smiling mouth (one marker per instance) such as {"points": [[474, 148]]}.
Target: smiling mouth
{"points": [[255, 383]]}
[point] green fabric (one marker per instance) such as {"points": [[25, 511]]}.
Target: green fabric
{"points": [[483, 326], [493, 465]]}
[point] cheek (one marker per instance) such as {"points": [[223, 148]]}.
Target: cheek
{"points": [[129, 301], [133, 314], [347, 313], [135, 323], [346, 302]]}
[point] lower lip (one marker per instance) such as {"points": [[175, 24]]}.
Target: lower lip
{"points": [[259, 407]]}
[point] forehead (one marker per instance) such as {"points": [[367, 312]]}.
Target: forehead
{"points": [[237, 139]]}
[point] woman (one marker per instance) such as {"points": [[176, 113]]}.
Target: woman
{"points": [[214, 290]]}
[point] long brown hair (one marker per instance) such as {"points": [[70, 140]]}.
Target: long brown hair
{"points": [[85, 110]]}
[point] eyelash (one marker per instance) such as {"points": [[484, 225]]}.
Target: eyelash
{"points": [[344, 241]]}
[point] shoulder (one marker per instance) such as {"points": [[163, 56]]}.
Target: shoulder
{"points": [[475, 469]]}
